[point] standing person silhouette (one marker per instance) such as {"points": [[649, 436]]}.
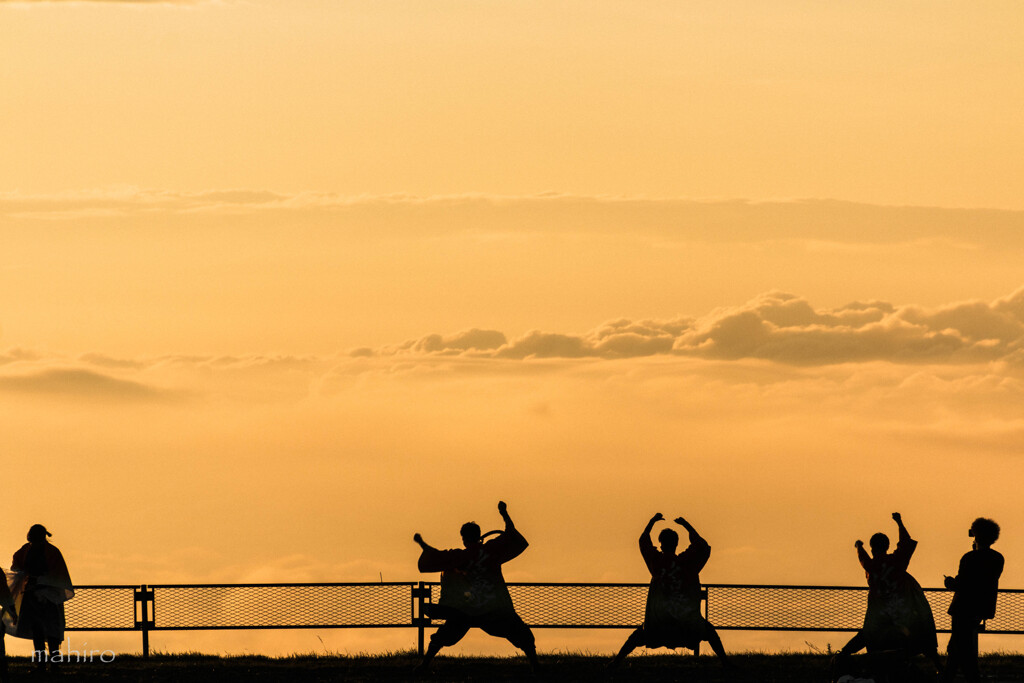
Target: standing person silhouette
{"points": [[975, 589], [41, 586], [672, 616], [10, 620], [898, 616], [473, 590]]}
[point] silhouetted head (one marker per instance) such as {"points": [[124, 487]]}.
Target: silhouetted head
{"points": [[669, 541], [879, 544], [985, 531], [470, 533], [37, 532]]}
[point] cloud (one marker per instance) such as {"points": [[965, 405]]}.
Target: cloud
{"points": [[774, 326], [170, 378], [77, 383], [777, 328], [811, 225], [468, 340]]}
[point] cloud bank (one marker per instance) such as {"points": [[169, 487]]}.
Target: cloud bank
{"points": [[825, 224], [774, 326]]}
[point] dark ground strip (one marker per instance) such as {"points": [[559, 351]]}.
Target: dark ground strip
{"points": [[795, 668]]}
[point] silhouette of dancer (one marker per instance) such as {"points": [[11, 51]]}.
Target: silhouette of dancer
{"points": [[672, 616], [10, 620], [41, 586], [975, 589], [898, 615], [473, 590]]}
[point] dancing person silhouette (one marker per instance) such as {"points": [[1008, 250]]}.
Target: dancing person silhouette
{"points": [[41, 586], [473, 590], [975, 589], [672, 616], [898, 616]]}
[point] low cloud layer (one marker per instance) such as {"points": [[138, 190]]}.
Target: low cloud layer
{"points": [[80, 383], [783, 329], [821, 225], [774, 326]]}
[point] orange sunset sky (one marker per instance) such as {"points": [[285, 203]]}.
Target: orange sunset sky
{"points": [[284, 282]]}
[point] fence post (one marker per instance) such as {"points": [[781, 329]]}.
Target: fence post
{"points": [[420, 598], [144, 620]]}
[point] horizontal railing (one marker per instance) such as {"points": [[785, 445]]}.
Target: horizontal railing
{"points": [[187, 607]]}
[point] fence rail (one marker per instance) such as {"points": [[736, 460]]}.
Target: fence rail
{"points": [[195, 607]]}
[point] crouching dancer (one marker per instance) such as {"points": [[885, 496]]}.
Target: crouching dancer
{"points": [[672, 617], [473, 590]]}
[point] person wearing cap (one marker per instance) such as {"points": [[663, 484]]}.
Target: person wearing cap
{"points": [[41, 586], [473, 590]]}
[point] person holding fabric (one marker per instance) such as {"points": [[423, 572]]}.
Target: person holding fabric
{"points": [[10, 616], [672, 617], [40, 587], [473, 590], [898, 616], [975, 589]]}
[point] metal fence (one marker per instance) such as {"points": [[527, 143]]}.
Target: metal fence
{"points": [[186, 607]]}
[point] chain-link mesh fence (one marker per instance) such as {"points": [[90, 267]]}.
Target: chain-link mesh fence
{"points": [[101, 608], [606, 605], [824, 608], [282, 606], [575, 605]]}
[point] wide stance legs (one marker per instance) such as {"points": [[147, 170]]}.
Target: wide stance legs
{"points": [[509, 627], [638, 637]]}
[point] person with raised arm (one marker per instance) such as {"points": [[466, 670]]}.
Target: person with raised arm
{"points": [[672, 616], [975, 589], [473, 590], [898, 617]]}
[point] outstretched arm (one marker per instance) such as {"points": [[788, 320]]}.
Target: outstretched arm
{"points": [[503, 511], [694, 536], [862, 554], [646, 535], [423, 544], [904, 534]]}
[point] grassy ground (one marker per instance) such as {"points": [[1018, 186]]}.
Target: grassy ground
{"points": [[789, 668]]}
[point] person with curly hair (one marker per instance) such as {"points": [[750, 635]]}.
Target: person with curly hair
{"points": [[975, 588]]}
